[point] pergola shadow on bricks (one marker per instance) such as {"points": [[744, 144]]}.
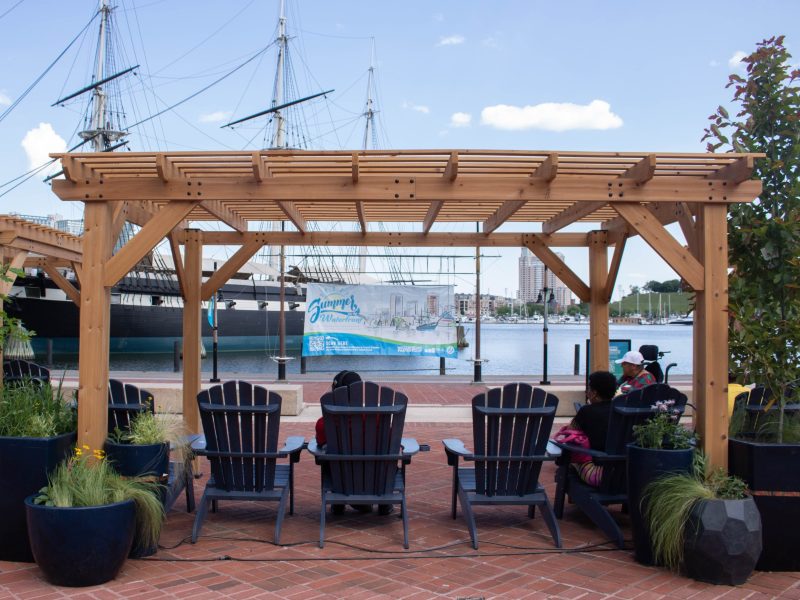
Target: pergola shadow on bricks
{"points": [[625, 194], [27, 244]]}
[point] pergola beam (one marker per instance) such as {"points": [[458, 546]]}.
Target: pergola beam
{"points": [[613, 269], [231, 266], [675, 255], [430, 216], [574, 213], [17, 262], [451, 170], [643, 171], [148, 237], [390, 239], [224, 214], [293, 214], [535, 244], [63, 283], [177, 261], [736, 172], [548, 170], [503, 214]]}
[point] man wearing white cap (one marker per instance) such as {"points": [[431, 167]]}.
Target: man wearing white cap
{"points": [[634, 375]]}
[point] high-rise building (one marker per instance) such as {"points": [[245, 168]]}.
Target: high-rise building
{"points": [[531, 280]]}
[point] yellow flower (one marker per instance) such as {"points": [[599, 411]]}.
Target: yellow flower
{"points": [[85, 447]]}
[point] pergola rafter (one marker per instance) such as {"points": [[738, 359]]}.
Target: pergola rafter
{"points": [[624, 193]]}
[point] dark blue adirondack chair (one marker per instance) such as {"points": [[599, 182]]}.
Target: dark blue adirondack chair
{"points": [[365, 456], [758, 402], [630, 409], [16, 371], [241, 423], [510, 429], [125, 401]]}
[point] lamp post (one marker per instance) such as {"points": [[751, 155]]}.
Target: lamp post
{"points": [[215, 299], [544, 300]]}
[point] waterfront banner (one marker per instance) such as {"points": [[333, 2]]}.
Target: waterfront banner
{"points": [[389, 320]]}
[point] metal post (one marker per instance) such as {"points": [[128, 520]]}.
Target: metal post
{"points": [[576, 369], [49, 353], [477, 377], [441, 365], [545, 298], [176, 356], [302, 365], [282, 321], [215, 338]]}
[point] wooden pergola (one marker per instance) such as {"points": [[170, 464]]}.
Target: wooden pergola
{"points": [[27, 244], [625, 194]]}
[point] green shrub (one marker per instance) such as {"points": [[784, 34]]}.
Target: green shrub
{"points": [[29, 410]]}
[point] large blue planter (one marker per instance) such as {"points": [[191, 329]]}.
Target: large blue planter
{"points": [[25, 464], [80, 546], [644, 466]]}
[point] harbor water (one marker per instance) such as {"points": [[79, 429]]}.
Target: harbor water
{"points": [[507, 349]]}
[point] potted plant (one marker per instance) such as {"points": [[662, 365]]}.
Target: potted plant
{"points": [[81, 525], [37, 432], [661, 445], [764, 298], [708, 526], [143, 450]]}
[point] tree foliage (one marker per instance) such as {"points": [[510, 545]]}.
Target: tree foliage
{"points": [[764, 236], [663, 287]]}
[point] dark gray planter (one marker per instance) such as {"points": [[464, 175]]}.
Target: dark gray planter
{"points": [[772, 474], [722, 541], [25, 464]]}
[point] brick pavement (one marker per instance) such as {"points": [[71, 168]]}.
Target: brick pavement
{"points": [[364, 557]]}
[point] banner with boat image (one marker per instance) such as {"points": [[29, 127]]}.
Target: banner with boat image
{"points": [[387, 320]]}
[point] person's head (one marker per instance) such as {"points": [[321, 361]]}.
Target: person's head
{"points": [[632, 363], [602, 386], [344, 378]]}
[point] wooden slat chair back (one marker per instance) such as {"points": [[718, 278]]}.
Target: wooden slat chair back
{"points": [[17, 370], [241, 423], [759, 401], [125, 401], [363, 426], [510, 427], [627, 411]]}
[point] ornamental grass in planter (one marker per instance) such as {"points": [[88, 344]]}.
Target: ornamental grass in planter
{"points": [[82, 524], [704, 524], [37, 432], [143, 449]]}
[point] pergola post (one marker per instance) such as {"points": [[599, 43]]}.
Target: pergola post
{"points": [[16, 262], [192, 314], [598, 301], [710, 380], [95, 319]]}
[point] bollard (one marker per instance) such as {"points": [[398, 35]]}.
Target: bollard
{"points": [[576, 369], [49, 353], [302, 365], [441, 365], [176, 356]]}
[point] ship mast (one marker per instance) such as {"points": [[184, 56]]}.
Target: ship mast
{"points": [[369, 111], [101, 133], [279, 136]]}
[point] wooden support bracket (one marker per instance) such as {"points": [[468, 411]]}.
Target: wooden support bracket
{"points": [[536, 245]]}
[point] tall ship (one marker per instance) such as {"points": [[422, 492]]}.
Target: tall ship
{"points": [[146, 306]]}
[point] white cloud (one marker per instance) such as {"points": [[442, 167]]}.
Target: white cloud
{"points": [[552, 116], [420, 108], [4, 100], [460, 119], [713, 63], [735, 61], [40, 142], [451, 40], [215, 117]]}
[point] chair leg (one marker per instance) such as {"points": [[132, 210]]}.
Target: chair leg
{"points": [[189, 474], [279, 520], [531, 511], [552, 524], [466, 508], [291, 487], [322, 522], [602, 518], [455, 492], [404, 514], [202, 511], [561, 490]]}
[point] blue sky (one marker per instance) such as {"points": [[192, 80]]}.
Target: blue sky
{"points": [[641, 76]]}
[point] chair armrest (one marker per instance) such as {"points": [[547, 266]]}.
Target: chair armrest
{"points": [[188, 441], [409, 446], [454, 448], [597, 455], [292, 447], [314, 448], [198, 445]]}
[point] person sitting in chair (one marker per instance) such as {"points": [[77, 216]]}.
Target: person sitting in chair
{"points": [[344, 379], [592, 419], [634, 375]]}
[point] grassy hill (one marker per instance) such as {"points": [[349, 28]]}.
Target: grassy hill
{"points": [[677, 303]]}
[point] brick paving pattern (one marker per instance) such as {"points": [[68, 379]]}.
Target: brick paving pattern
{"points": [[364, 558]]}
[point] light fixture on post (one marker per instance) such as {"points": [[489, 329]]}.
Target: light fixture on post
{"points": [[544, 300]]}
